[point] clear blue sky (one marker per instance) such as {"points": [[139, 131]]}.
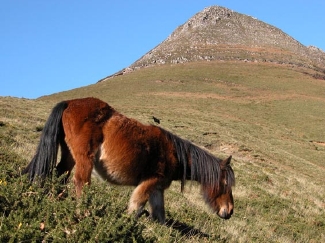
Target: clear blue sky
{"points": [[48, 46]]}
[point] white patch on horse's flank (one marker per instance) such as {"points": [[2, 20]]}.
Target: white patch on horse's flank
{"points": [[102, 169], [95, 172]]}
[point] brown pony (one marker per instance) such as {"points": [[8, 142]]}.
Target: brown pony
{"points": [[123, 151]]}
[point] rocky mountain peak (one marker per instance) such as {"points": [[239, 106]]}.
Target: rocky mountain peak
{"points": [[218, 33]]}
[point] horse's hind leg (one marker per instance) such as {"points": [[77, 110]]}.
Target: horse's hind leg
{"points": [[82, 175], [66, 163], [147, 190], [83, 151]]}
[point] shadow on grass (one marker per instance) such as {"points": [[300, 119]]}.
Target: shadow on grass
{"points": [[185, 229]]}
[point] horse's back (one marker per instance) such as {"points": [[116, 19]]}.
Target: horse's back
{"points": [[91, 111], [132, 152]]}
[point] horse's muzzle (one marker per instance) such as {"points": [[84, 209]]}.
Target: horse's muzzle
{"points": [[224, 214]]}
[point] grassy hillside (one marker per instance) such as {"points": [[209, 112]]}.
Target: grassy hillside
{"points": [[269, 117]]}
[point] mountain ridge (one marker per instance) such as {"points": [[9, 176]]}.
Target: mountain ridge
{"points": [[218, 33]]}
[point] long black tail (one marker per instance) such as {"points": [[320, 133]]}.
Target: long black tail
{"points": [[45, 158]]}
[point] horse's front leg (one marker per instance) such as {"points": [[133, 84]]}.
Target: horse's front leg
{"points": [[157, 207], [148, 190]]}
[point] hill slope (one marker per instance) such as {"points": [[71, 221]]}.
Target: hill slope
{"points": [[218, 33], [269, 117]]}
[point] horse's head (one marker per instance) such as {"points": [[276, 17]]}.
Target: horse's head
{"points": [[219, 197]]}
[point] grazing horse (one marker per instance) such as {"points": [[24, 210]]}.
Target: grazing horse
{"points": [[93, 135]]}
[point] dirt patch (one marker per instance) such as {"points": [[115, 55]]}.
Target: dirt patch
{"points": [[319, 143]]}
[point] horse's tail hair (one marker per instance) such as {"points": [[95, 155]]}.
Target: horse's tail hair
{"points": [[44, 160]]}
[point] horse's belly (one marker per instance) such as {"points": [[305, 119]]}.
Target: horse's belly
{"points": [[115, 170]]}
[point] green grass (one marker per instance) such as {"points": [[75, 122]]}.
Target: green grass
{"points": [[269, 117]]}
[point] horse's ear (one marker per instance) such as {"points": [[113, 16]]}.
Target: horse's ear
{"points": [[226, 161]]}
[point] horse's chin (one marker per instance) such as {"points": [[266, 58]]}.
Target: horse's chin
{"points": [[226, 217]]}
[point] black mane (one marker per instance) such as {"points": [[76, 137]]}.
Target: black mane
{"points": [[198, 164]]}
